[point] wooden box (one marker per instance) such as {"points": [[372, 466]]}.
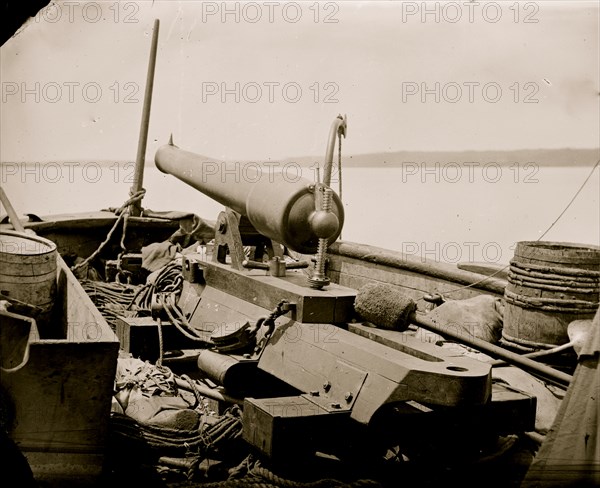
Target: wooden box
{"points": [[286, 426], [58, 393]]}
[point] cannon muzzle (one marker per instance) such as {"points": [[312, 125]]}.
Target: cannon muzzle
{"points": [[280, 205]]}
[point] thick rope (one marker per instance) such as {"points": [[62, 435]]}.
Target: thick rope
{"points": [[192, 384], [168, 440], [161, 346], [111, 299], [551, 304], [582, 283], [260, 477], [168, 305], [169, 279], [529, 269], [122, 212], [553, 280], [550, 285]]}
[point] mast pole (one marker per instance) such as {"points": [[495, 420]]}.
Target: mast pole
{"points": [[138, 177], [12, 215]]}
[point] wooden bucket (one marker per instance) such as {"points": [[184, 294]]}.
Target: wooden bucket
{"points": [[28, 271], [550, 284]]}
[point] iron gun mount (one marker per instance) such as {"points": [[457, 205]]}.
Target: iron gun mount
{"points": [[258, 313]]}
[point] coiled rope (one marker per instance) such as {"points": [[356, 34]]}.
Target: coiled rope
{"points": [[169, 279], [175, 441], [567, 283], [111, 299], [117, 299], [257, 476]]}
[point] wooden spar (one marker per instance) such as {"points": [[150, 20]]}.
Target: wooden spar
{"points": [[364, 254], [510, 357], [138, 177], [12, 215]]}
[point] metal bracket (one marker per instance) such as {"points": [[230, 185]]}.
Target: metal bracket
{"points": [[227, 237], [339, 390], [275, 267]]}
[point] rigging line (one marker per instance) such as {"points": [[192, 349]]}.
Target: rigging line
{"points": [[538, 239], [572, 200]]}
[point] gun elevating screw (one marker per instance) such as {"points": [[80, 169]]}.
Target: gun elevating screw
{"points": [[318, 279]]}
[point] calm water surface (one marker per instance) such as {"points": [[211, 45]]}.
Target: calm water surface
{"points": [[450, 213]]}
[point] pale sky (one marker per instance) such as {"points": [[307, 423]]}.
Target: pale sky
{"points": [[65, 80]]}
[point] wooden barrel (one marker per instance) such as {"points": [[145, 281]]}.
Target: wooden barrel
{"points": [[550, 284], [28, 271]]}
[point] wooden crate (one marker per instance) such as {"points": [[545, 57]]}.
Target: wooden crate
{"points": [[59, 397], [288, 426]]}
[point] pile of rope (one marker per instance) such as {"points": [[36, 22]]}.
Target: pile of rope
{"points": [[115, 299], [167, 441], [561, 281], [140, 434], [111, 299], [173, 452], [167, 280], [161, 294], [252, 474]]}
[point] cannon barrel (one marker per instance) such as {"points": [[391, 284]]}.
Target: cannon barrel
{"points": [[281, 206]]}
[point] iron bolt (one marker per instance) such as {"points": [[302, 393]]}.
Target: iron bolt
{"points": [[314, 393], [336, 405], [348, 396], [326, 386]]}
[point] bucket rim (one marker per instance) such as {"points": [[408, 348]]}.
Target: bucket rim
{"points": [[551, 245], [33, 237]]}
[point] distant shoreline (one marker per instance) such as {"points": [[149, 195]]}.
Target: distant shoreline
{"points": [[399, 159], [566, 157]]}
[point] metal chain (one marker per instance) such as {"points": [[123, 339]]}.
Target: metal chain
{"points": [[282, 308]]}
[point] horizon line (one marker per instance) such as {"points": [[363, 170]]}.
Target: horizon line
{"points": [[318, 158]]}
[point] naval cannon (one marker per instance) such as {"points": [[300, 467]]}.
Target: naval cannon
{"points": [[287, 212], [280, 206], [259, 311]]}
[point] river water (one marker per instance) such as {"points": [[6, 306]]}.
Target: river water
{"points": [[449, 213]]}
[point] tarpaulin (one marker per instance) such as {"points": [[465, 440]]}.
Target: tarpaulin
{"points": [[570, 454]]}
